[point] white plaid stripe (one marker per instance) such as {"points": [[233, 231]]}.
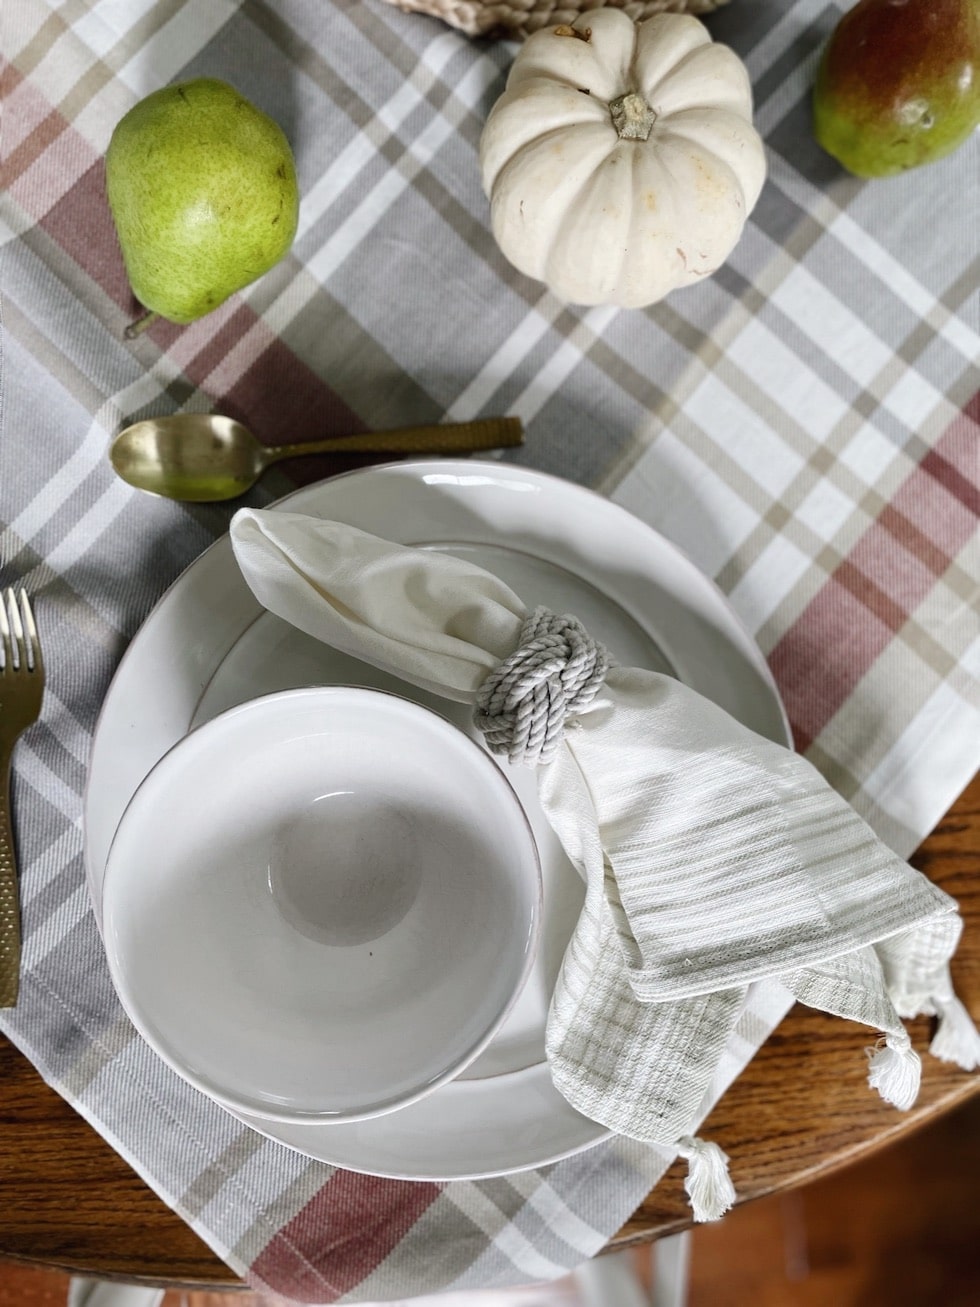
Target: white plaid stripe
{"points": [[34, 771], [956, 331], [947, 721], [421, 149], [58, 858], [105, 23], [89, 455], [286, 1188], [71, 735], [918, 404], [478, 394], [262, 1169], [832, 326], [781, 34], [358, 157], [507, 1240], [281, 1180], [824, 511], [671, 481], [777, 569], [190, 28], [873, 459], [774, 108], [562, 363], [90, 526], [556, 1213], [880, 263], [42, 937]]}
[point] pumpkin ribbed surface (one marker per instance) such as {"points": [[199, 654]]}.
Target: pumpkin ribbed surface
{"points": [[621, 161]]}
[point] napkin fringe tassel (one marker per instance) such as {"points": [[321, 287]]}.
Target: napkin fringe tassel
{"points": [[708, 1184], [895, 1070], [957, 1038]]}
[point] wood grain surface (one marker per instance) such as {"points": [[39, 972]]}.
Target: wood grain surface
{"points": [[800, 1110]]}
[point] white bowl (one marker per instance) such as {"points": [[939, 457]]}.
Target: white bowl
{"points": [[322, 905]]}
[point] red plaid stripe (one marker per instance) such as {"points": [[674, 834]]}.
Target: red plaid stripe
{"points": [[342, 1234], [878, 586]]}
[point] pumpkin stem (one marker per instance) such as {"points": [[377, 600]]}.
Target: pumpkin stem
{"points": [[632, 117]]}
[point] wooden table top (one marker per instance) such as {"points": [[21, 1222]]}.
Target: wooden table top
{"points": [[802, 1108]]}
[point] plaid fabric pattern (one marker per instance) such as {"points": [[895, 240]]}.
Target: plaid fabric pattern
{"points": [[805, 424]]}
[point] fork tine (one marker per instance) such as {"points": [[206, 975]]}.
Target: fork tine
{"points": [[32, 643], [6, 653], [14, 614], [16, 630]]}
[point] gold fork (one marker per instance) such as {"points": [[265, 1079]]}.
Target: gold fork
{"points": [[21, 691]]}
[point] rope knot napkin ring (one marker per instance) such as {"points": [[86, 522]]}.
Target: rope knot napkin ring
{"points": [[712, 858], [554, 673]]}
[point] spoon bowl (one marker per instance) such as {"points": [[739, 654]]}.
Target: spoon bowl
{"points": [[206, 458]]}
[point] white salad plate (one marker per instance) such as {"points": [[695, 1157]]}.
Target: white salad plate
{"points": [[208, 645]]}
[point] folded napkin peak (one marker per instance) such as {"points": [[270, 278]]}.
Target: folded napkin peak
{"points": [[712, 858], [376, 600]]}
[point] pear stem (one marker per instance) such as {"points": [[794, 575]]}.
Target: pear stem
{"points": [[137, 327]]}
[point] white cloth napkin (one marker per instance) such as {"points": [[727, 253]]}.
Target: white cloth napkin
{"points": [[712, 857]]}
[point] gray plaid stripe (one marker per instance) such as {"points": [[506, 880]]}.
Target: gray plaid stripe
{"points": [[36, 342], [57, 27], [382, 405], [868, 503], [210, 1181], [276, 1212], [96, 1056], [446, 1238], [51, 28], [960, 296], [584, 1187], [841, 777]]}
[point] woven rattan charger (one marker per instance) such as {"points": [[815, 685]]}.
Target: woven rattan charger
{"points": [[519, 18]]}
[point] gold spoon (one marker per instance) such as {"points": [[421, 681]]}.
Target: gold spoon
{"points": [[202, 458]]}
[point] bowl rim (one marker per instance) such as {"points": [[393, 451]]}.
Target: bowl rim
{"points": [[220, 1093]]}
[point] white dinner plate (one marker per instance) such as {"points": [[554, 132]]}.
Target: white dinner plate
{"points": [[208, 645]]}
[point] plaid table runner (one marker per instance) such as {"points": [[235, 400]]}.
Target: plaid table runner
{"points": [[804, 424]]}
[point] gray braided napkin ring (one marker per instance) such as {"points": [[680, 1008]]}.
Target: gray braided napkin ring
{"points": [[555, 672]]}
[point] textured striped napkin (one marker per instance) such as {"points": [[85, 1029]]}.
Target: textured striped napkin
{"points": [[712, 857]]}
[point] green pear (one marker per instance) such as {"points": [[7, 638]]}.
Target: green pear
{"points": [[899, 84], [202, 189]]}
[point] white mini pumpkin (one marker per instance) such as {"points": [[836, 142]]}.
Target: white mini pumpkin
{"points": [[621, 161]]}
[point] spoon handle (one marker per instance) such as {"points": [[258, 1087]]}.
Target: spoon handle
{"points": [[442, 438]]}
